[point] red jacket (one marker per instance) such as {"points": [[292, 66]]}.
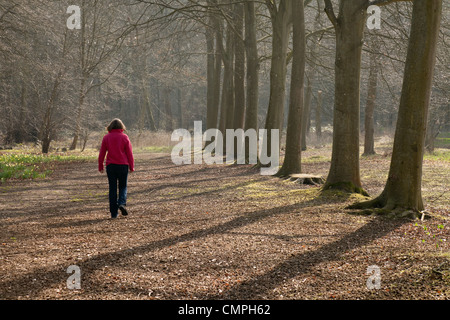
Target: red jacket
{"points": [[119, 149]]}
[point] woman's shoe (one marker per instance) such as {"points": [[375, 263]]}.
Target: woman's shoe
{"points": [[123, 210]]}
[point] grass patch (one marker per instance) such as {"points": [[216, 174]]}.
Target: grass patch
{"points": [[316, 159], [438, 155], [31, 166], [154, 149], [443, 140]]}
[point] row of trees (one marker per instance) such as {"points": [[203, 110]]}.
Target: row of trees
{"points": [[404, 183], [162, 64], [148, 47]]}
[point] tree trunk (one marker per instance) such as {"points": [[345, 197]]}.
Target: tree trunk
{"points": [[369, 143], [251, 113], [344, 171], [212, 107], [84, 76], [19, 137], [230, 90], [227, 103], [292, 160], [281, 20], [433, 128], [403, 186], [158, 122], [217, 76], [319, 118], [179, 109], [214, 70], [45, 145], [168, 109], [311, 75], [79, 114], [431, 135], [149, 108], [145, 108], [306, 115], [239, 68]]}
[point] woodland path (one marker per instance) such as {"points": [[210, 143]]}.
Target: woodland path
{"points": [[213, 232]]}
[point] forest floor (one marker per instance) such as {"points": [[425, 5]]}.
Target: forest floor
{"points": [[219, 232]]}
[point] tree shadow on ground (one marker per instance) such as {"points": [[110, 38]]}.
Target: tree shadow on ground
{"points": [[301, 263], [32, 283]]}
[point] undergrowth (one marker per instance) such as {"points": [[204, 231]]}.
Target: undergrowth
{"points": [[31, 166]]}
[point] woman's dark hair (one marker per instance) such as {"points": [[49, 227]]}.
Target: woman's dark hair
{"points": [[116, 124]]}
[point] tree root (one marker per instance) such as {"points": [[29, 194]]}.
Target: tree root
{"points": [[379, 206]]}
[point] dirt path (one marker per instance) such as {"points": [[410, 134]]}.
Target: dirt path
{"points": [[210, 232]]}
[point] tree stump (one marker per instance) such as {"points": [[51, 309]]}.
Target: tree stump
{"points": [[303, 178]]}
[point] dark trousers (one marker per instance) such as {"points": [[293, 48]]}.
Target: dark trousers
{"points": [[117, 174]]}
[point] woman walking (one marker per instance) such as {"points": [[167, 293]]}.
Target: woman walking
{"points": [[119, 160]]}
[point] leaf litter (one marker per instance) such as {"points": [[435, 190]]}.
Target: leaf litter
{"points": [[217, 232]]}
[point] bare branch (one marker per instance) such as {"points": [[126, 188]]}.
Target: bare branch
{"points": [[384, 2], [330, 13]]}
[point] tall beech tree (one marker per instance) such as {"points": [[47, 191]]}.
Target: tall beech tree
{"points": [[252, 75], [369, 125], [281, 19], [292, 160], [239, 67], [212, 73], [349, 29], [403, 187]]}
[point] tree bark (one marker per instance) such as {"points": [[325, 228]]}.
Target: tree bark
{"points": [[344, 171], [403, 187], [168, 110], [83, 80], [239, 68], [227, 103], [281, 19], [292, 160], [306, 115], [179, 109], [319, 118], [214, 64], [311, 75], [251, 113], [369, 126], [211, 113]]}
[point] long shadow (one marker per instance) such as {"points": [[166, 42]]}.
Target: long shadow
{"points": [[160, 187], [68, 206], [41, 278], [79, 223], [203, 193], [304, 262], [289, 238], [58, 208], [211, 177]]}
